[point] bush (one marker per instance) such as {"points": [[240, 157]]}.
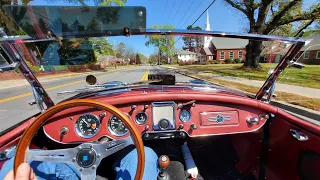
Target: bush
{"points": [[61, 68], [237, 60], [79, 68], [94, 67], [215, 62], [206, 62], [228, 60]]}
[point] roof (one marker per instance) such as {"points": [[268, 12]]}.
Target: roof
{"points": [[186, 52], [207, 51], [312, 43], [229, 43]]}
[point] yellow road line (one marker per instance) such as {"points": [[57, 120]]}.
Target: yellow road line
{"points": [[145, 75], [49, 89]]}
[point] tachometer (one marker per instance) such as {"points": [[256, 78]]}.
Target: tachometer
{"points": [[87, 126], [116, 127], [185, 116]]}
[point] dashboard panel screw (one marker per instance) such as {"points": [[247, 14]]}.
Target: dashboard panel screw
{"points": [[93, 167], [98, 155], [80, 169], [74, 160], [70, 118]]}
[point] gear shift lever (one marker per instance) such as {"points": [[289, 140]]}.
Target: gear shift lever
{"points": [[164, 162]]}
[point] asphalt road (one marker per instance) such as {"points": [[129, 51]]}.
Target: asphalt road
{"points": [[14, 105]]}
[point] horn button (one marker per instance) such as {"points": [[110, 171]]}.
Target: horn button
{"points": [[86, 157]]}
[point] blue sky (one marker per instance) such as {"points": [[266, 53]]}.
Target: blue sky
{"points": [[179, 13]]}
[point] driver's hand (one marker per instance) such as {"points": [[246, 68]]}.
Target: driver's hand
{"points": [[24, 172]]}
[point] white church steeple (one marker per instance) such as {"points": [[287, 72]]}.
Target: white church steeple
{"points": [[207, 26], [207, 40]]}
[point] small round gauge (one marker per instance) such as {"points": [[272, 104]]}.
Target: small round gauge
{"points": [[116, 126], [87, 126], [185, 116], [141, 118]]}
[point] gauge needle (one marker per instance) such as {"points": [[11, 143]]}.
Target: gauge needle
{"points": [[88, 124]]}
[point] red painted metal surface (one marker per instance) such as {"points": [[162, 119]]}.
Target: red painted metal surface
{"points": [[284, 150]]}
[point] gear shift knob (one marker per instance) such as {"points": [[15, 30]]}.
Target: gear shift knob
{"points": [[163, 161]]}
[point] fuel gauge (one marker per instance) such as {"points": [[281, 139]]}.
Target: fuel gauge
{"points": [[185, 116]]}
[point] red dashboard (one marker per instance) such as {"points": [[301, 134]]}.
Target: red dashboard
{"points": [[190, 114]]}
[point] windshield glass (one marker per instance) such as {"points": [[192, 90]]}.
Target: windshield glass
{"points": [[62, 64]]}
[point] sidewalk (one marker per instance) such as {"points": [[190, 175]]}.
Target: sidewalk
{"points": [[303, 91]]}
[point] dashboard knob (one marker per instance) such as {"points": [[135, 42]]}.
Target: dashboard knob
{"points": [[146, 136], [146, 128], [193, 126], [163, 124], [102, 115], [133, 107], [182, 135], [253, 120]]}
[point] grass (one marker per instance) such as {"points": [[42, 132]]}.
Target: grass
{"points": [[307, 77], [311, 103]]}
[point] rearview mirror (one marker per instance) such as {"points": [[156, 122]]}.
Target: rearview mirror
{"points": [[6, 64]]}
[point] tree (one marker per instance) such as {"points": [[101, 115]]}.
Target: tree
{"points": [[138, 60], [164, 43], [192, 43], [268, 16]]}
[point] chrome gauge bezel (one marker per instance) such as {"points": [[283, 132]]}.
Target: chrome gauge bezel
{"points": [[141, 123], [79, 133], [185, 110], [110, 129]]}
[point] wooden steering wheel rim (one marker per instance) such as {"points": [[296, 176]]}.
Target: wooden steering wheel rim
{"points": [[41, 120]]}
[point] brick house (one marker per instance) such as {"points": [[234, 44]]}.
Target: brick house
{"points": [[222, 48], [310, 53]]}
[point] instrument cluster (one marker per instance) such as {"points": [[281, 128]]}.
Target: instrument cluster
{"points": [[155, 120]]}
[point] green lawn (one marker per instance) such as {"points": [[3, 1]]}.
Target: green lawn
{"points": [[307, 77]]}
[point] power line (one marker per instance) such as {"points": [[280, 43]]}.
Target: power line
{"points": [[192, 12], [165, 8], [198, 18], [186, 12], [178, 9], [172, 8], [203, 13]]}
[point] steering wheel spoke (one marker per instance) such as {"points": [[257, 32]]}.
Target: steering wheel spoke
{"points": [[110, 147], [88, 173], [57, 155]]}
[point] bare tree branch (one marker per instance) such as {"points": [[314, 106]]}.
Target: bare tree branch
{"points": [[237, 6], [303, 27], [282, 12], [248, 12]]}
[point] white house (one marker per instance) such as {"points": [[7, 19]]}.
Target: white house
{"points": [[187, 56]]}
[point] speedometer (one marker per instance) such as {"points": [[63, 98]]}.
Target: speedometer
{"points": [[116, 126], [87, 126]]}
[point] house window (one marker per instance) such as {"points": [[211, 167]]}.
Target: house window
{"points": [[240, 54], [318, 55], [306, 55], [231, 54], [221, 55]]}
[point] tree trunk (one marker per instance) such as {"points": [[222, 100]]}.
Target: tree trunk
{"points": [[253, 49]]}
